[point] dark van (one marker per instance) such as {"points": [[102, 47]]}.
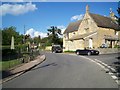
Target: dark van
{"points": [[56, 49]]}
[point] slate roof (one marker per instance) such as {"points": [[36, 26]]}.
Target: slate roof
{"points": [[101, 21], [73, 26], [105, 22]]}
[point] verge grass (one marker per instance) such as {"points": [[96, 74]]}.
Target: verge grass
{"points": [[5, 65]]}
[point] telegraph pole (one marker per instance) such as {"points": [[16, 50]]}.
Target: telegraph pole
{"points": [[24, 35]]}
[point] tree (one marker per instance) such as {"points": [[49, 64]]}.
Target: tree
{"points": [[37, 39], [53, 35], [118, 10], [7, 33]]}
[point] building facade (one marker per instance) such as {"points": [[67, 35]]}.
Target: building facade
{"points": [[93, 31]]}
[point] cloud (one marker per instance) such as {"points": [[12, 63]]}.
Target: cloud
{"points": [[34, 33], [77, 17], [62, 27], [17, 9]]}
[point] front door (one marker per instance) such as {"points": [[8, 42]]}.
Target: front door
{"points": [[90, 43]]}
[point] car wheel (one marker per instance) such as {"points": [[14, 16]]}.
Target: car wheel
{"points": [[77, 53], [89, 53], [53, 52]]}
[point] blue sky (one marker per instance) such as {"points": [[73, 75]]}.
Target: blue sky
{"points": [[38, 16]]}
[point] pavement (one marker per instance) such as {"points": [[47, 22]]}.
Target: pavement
{"points": [[23, 68]]}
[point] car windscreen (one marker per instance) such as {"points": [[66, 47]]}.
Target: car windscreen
{"points": [[57, 47]]}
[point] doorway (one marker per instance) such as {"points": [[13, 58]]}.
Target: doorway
{"points": [[90, 43]]}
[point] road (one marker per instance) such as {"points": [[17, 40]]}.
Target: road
{"points": [[63, 71], [109, 59]]}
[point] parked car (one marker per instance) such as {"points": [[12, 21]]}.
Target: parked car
{"points": [[86, 52], [56, 49]]}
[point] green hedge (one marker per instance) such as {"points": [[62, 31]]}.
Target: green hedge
{"points": [[5, 47], [69, 51], [21, 48]]}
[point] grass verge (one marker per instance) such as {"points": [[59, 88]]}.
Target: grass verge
{"points": [[69, 51], [5, 65]]}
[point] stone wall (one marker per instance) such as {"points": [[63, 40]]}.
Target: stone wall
{"points": [[48, 48], [108, 50]]}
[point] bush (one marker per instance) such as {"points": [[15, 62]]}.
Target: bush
{"points": [[117, 46], [8, 54], [21, 48], [5, 47], [69, 51]]}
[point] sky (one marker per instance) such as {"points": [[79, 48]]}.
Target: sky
{"points": [[37, 17]]}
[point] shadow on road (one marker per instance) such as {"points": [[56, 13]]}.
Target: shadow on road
{"points": [[6, 74], [47, 65]]}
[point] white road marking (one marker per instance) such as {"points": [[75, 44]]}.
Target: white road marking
{"points": [[104, 66], [114, 77]]}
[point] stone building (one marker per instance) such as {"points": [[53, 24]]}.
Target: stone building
{"points": [[93, 31]]}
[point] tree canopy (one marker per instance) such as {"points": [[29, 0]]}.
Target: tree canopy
{"points": [[118, 10], [7, 33], [53, 35]]}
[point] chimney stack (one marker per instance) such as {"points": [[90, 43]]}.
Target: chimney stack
{"points": [[112, 15], [87, 9]]}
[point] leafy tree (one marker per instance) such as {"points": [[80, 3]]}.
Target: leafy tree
{"points": [[27, 38], [7, 33], [118, 10], [37, 39], [53, 35], [46, 41]]}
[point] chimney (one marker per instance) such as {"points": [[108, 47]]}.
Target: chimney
{"points": [[87, 9], [112, 15]]}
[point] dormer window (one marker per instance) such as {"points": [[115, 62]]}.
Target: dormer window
{"points": [[86, 28], [67, 36], [73, 32], [116, 33]]}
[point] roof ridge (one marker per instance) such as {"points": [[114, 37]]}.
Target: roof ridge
{"points": [[75, 21], [100, 15]]}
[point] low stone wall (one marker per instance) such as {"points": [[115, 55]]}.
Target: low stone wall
{"points": [[108, 50], [48, 48]]}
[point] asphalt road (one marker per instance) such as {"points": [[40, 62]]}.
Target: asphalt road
{"points": [[63, 71], [109, 59]]}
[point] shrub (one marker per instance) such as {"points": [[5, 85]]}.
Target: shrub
{"points": [[8, 54], [69, 51], [117, 46]]}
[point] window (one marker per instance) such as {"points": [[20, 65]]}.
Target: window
{"points": [[116, 33], [67, 35], [73, 32]]}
